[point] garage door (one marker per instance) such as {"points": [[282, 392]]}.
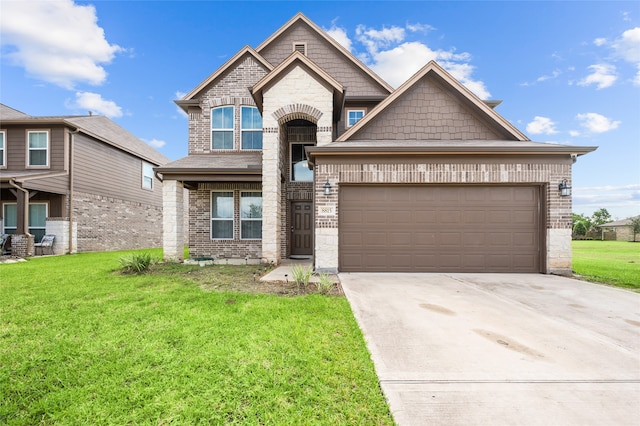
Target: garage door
{"points": [[439, 228]]}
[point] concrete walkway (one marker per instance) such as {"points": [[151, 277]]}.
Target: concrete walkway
{"points": [[501, 349]]}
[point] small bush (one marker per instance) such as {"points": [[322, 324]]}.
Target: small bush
{"points": [[325, 285], [301, 275], [136, 263]]}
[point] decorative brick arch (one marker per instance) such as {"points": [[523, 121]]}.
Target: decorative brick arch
{"points": [[297, 111]]}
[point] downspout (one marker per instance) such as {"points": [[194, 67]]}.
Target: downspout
{"points": [[25, 218], [71, 194]]}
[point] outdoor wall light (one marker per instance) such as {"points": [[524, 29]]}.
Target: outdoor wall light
{"points": [[565, 188], [327, 188]]}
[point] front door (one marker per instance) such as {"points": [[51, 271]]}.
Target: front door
{"points": [[301, 229]]}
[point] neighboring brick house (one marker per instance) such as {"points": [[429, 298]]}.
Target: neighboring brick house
{"points": [[83, 179], [622, 228], [298, 149]]}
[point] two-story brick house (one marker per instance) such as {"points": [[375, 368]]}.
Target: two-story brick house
{"points": [[296, 148], [84, 179]]}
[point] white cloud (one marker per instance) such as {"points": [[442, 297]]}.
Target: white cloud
{"points": [[541, 125], [627, 46], [390, 55], [93, 102], [600, 41], [621, 201], [574, 133], [156, 143], [596, 123], [56, 41], [554, 74], [340, 35], [603, 76]]}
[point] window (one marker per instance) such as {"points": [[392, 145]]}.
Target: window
{"points": [[38, 148], [300, 171], [10, 215], [251, 128], [3, 160], [251, 215], [37, 219], [147, 176], [222, 215], [353, 116], [222, 128]]}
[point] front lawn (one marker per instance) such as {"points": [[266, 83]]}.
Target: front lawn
{"points": [[610, 262], [82, 344]]}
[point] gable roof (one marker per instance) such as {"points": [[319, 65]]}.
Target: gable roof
{"points": [[300, 17], [96, 126], [107, 131], [296, 58], [220, 71], [622, 222], [432, 68], [7, 113]]}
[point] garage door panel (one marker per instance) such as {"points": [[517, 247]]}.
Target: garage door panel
{"points": [[439, 228]]}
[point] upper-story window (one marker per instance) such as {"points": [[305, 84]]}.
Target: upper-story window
{"points": [[251, 128], [147, 176], [222, 128], [3, 157], [353, 116], [38, 147]]}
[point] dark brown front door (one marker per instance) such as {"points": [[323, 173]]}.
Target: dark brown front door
{"points": [[301, 229]]}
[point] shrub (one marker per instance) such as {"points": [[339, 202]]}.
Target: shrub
{"points": [[136, 263], [325, 285], [301, 275]]}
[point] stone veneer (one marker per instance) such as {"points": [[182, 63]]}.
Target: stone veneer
{"points": [[172, 220], [547, 173], [296, 95]]}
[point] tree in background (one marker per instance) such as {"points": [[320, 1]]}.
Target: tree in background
{"points": [[635, 227], [600, 217], [581, 224]]}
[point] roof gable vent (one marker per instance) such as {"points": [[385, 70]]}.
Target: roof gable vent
{"points": [[300, 47]]}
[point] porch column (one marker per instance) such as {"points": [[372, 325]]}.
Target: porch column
{"points": [[22, 211], [173, 220]]}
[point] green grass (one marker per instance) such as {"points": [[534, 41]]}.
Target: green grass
{"points": [[611, 262], [82, 344]]}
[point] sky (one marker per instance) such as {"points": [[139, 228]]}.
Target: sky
{"points": [[567, 71]]}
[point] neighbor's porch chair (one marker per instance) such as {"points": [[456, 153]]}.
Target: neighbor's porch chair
{"points": [[45, 243]]}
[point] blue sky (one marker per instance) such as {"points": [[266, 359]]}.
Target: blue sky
{"points": [[567, 72]]}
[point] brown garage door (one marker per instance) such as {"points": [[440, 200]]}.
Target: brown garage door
{"points": [[439, 228]]}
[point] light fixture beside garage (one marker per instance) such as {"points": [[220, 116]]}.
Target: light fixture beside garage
{"points": [[565, 188], [327, 188]]}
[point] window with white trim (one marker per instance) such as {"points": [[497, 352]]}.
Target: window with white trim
{"points": [[147, 176], [300, 171], [353, 116], [222, 128], [251, 215], [38, 148], [251, 128], [222, 215], [3, 157], [37, 219]]}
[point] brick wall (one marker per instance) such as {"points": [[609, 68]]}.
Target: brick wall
{"points": [[230, 89], [107, 223], [200, 242]]}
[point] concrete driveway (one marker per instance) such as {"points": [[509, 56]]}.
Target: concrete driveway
{"points": [[501, 349]]}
